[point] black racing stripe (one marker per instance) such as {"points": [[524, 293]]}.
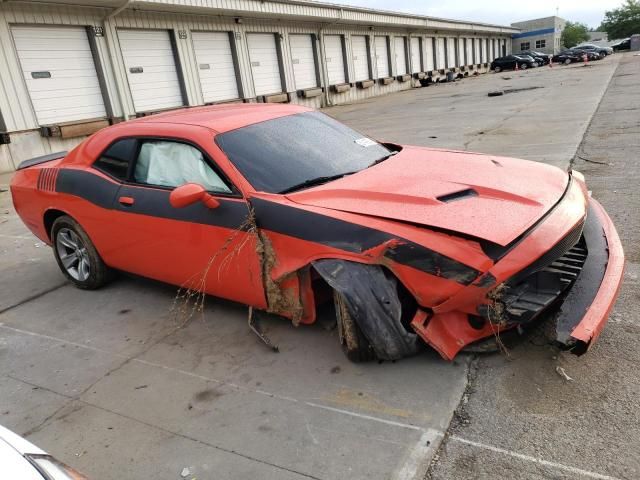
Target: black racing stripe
{"points": [[155, 202], [88, 186], [148, 201], [356, 238]]}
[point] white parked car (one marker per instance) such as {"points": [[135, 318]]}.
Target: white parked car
{"points": [[21, 460]]}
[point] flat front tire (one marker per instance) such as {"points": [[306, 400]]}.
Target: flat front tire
{"points": [[76, 255], [353, 342]]}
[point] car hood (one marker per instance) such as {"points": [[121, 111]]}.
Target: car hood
{"points": [[487, 197]]}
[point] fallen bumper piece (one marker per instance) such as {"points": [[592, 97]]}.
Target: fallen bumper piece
{"points": [[372, 299]]}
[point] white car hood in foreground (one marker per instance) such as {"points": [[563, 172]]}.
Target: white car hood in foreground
{"points": [[13, 465]]}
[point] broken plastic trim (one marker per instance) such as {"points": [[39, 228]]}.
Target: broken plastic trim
{"points": [[372, 298]]}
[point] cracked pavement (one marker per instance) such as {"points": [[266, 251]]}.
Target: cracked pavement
{"points": [[106, 382]]}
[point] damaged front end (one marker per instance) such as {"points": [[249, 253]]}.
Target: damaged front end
{"points": [[577, 281]]}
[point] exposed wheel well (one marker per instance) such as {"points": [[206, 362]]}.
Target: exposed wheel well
{"points": [[51, 216]]}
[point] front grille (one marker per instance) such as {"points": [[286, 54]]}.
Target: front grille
{"points": [[528, 298], [535, 288]]}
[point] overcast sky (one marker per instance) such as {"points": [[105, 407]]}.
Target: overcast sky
{"points": [[590, 12]]}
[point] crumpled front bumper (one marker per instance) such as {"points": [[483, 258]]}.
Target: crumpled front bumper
{"points": [[584, 309]]}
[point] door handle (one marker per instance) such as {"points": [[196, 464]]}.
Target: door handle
{"points": [[126, 201]]}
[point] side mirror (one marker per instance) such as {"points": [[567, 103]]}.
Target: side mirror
{"points": [[190, 193]]}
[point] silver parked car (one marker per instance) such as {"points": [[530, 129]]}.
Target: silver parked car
{"points": [[21, 460]]}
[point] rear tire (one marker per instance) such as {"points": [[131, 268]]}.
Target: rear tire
{"points": [[567, 61], [524, 66], [76, 255], [353, 342]]}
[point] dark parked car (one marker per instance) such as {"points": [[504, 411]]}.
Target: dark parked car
{"points": [[602, 51], [567, 57], [591, 54], [622, 45], [510, 61], [540, 58]]}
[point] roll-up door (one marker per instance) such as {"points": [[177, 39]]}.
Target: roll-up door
{"points": [[360, 57], [451, 52], [401, 55], [483, 50], [460, 49], [382, 57], [59, 73], [335, 59], [469, 46], [416, 54], [216, 67], [265, 66], [440, 53], [151, 69], [304, 61], [428, 52], [477, 51]]}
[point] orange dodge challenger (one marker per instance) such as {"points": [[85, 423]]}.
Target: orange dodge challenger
{"points": [[283, 208]]}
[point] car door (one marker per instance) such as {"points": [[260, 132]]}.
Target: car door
{"points": [[196, 247]]}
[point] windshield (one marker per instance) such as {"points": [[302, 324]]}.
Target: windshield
{"points": [[279, 155]]}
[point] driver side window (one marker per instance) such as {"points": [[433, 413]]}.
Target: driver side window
{"points": [[172, 164]]}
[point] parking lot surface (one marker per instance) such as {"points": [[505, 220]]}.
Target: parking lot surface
{"points": [[111, 384]]}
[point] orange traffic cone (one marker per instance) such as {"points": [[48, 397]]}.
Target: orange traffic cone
{"points": [[585, 57], [551, 63], [517, 67]]}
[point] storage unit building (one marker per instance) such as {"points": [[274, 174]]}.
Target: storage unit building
{"points": [[73, 67]]}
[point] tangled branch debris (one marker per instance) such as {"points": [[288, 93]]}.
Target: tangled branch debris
{"points": [[190, 298], [496, 314]]}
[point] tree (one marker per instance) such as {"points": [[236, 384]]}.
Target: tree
{"points": [[574, 33], [622, 22]]}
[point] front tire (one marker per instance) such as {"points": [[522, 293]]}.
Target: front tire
{"points": [[76, 255], [353, 342], [497, 69], [523, 66]]}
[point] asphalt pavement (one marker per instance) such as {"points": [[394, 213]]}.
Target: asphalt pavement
{"points": [[108, 382]]}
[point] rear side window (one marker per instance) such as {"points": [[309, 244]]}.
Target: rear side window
{"points": [[116, 159]]}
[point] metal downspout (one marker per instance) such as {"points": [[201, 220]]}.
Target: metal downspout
{"points": [[323, 63]]}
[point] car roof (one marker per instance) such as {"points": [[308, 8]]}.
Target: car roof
{"points": [[226, 117]]}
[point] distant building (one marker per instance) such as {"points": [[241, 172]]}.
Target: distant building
{"points": [[541, 35], [600, 37]]}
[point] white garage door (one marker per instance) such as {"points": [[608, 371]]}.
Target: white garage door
{"points": [[304, 64], [216, 67], [151, 69], [483, 48], [476, 51], [59, 72], [382, 57], [335, 59], [416, 55], [451, 52], [360, 57], [428, 52], [469, 42], [440, 53], [401, 55], [265, 66], [460, 44]]}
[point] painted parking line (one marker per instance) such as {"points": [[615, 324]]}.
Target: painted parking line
{"points": [[529, 458]]}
